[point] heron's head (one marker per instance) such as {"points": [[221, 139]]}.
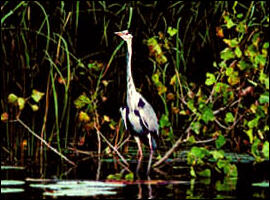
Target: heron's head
{"points": [[125, 35]]}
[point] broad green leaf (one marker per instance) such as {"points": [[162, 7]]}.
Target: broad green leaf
{"points": [[265, 150], [171, 31], [227, 54], [208, 115], [229, 22], [249, 133], [242, 65], [254, 147], [232, 43], [253, 123], [12, 98], [81, 101], [230, 170], [192, 172], [164, 121], [260, 59], [211, 79], [217, 154], [205, 173], [238, 52], [266, 45], [229, 118], [264, 98], [129, 176], [21, 103], [220, 141], [221, 163], [36, 95], [195, 126]]}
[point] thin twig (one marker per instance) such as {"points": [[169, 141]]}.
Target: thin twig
{"points": [[45, 142], [98, 132]]}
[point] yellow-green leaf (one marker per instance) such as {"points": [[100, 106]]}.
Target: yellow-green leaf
{"points": [[21, 103], [36, 95], [12, 98]]}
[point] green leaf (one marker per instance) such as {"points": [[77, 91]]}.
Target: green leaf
{"points": [[232, 43], [211, 79], [172, 31], [240, 15], [266, 45], [195, 126], [227, 54], [260, 59], [129, 176], [265, 150], [254, 147], [208, 115], [205, 173], [36, 95], [164, 121], [238, 52], [220, 141], [218, 154], [229, 118], [242, 65], [34, 107], [253, 123], [21, 103], [81, 101], [12, 98], [264, 98], [249, 133], [192, 172], [229, 22], [230, 170], [261, 184]]}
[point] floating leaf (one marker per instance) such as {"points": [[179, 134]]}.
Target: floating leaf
{"points": [[36, 95], [229, 22], [12, 98], [231, 43]]}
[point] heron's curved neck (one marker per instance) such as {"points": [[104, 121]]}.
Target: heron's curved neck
{"points": [[130, 82]]}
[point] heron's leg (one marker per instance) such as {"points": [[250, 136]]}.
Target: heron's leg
{"points": [[151, 153], [137, 139]]}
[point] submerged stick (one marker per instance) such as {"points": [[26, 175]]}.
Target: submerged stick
{"points": [[45, 142]]}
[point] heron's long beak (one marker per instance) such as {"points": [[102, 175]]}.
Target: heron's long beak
{"points": [[121, 33]]}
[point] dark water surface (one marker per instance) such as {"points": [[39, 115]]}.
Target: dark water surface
{"points": [[58, 180]]}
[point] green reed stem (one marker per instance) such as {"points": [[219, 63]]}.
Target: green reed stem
{"points": [[12, 12]]}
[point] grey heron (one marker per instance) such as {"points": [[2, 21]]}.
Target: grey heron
{"points": [[138, 115]]}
